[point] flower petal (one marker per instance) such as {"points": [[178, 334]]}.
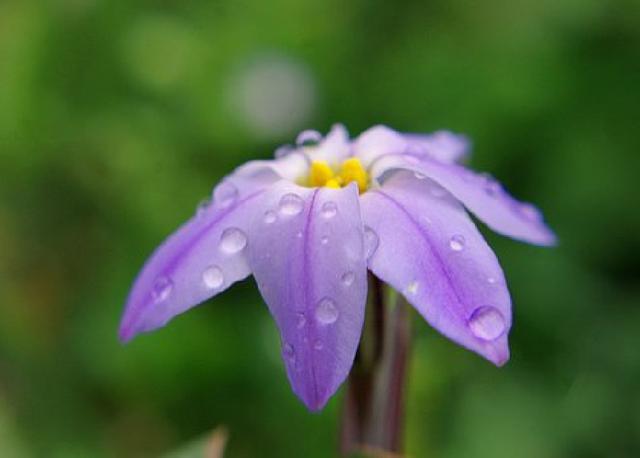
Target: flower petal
{"points": [[428, 248], [201, 259], [310, 267], [333, 149], [380, 141], [481, 194]]}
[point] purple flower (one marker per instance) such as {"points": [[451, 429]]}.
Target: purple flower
{"points": [[309, 224]]}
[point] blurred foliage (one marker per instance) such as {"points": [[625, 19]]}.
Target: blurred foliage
{"points": [[117, 117]]}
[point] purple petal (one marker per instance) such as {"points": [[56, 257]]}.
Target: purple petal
{"points": [[380, 141], [309, 264], [481, 194], [443, 146], [333, 149], [201, 259], [427, 247]]}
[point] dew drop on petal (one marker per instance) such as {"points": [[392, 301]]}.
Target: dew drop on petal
{"points": [[308, 137], [317, 345], [491, 186], [288, 351], [419, 176], [213, 277], [456, 243], [348, 278], [437, 191], [329, 209], [412, 288], [491, 280], [270, 217], [326, 311], [291, 204], [283, 150], [225, 194], [202, 207], [233, 240], [530, 212], [301, 320], [487, 323], [162, 288], [371, 242], [324, 240]]}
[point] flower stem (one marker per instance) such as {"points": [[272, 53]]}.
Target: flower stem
{"points": [[373, 410]]}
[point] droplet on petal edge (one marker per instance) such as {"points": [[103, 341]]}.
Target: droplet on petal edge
{"points": [[291, 204], [371, 242], [283, 150], [270, 217], [301, 320], [487, 323], [288, 351], [308, 137], [213, 277], [456, 243], [162, 289], [225, 194], [326, 311], [233, 240], [202, 207], [412, 288], [329, 210]]}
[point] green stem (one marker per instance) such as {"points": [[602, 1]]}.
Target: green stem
{"points": [[373, 411]]}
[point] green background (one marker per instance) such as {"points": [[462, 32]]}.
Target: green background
{"points": [[117, 118]]}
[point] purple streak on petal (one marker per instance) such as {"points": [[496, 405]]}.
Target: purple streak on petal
{"points": [[201, 259], [380, 141], [431, 251], [481, 194], [310, 267]]}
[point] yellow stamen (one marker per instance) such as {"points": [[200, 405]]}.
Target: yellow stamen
{"points": [[320, 174], [351, 170]]}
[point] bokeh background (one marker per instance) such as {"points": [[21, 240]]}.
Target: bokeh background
{"points": [[118, 117]]}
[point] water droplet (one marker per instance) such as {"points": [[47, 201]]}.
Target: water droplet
{"points": [[491, 186], [301, 320], [308, 137], [456, 243], [299, 234], [233, 240], [491, 280], [270, 217], [324, 240], [283, 150], [371, 242], [530, 212], [348, 278], [225, 194], [317, 345], [419, 176], [329, 209], [288, 351], [162, 288], [213, 277], [437, 191], [487, 323], [326, 311], [411, 158], [202, 207], [412, 288], [291, 204]]}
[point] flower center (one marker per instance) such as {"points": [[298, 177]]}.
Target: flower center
{"points": [[351, 170]]}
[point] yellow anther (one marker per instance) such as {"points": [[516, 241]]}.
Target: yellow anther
{"points": [[333, 183], [352, 170], [320, 174]]}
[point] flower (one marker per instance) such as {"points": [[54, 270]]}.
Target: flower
{"points": [[310, 223]]}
